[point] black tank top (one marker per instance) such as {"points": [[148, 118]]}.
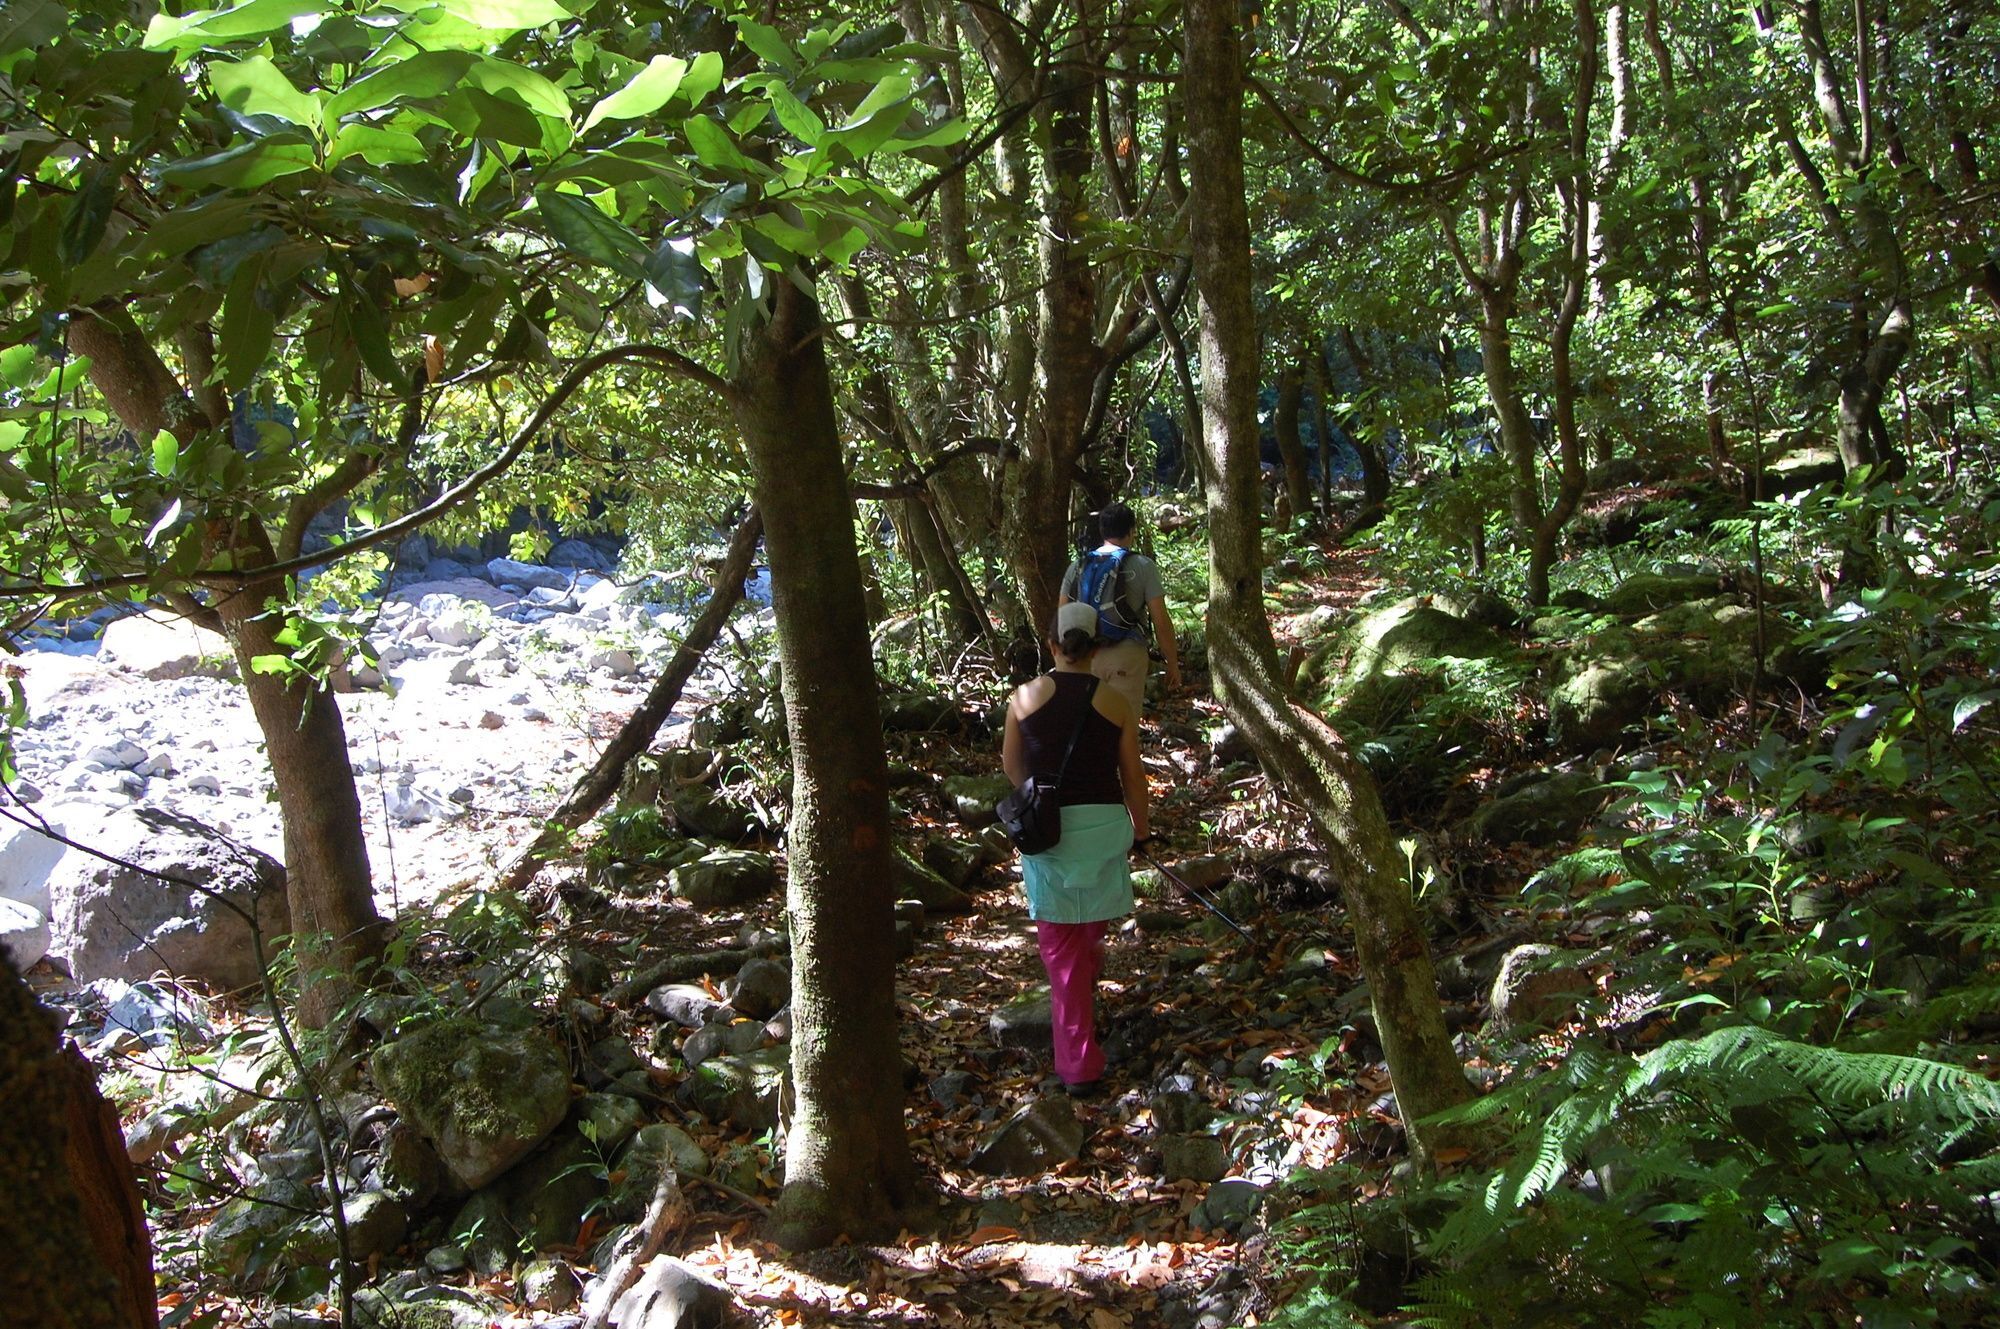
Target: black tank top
{"points": [[1092, 776]]}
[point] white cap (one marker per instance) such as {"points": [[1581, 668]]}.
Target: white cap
{"points": [[1076, 616]]}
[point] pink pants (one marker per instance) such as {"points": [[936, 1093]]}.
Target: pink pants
{"points": [[1073, 954]]}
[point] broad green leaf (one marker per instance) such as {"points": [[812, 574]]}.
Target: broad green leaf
{"points": [[166, 452], [703, 77], [675, 278], [376, 146], [255, 86], [1967, 708], [887, 93], [428, 74], [271, 664], [504, 14], [797, 118], [771, 48], [25, 24], [650, 89], [472, 111], [583, 228], [17, 364], [712, 143], [89, 213], [11, 434], [255, 19], [244, 166], [504, 77], [371, 336], [795, 239], [247, 325]]}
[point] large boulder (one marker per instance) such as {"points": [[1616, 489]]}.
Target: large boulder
{"points": [[169, 902], [1543, 809], [972, 797], [1537, 986], [1648, 592], [914, 881], [459, 588], [1601, 692], [159, 645], [510, 572], [27, 857], [725, 879], [1405, 635], [484, 1098], [24, 933]]}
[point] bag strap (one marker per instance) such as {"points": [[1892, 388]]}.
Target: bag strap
{"points": [[1077, 732]]}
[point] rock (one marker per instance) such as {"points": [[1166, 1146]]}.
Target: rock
{"points": [[1193, 1158], [122, 755], [670, 1295], [464, 673], [159, 646], [761, 989], [459, 623], [654, 1148], [972, 797], [725, 879], [914, 881], [508, 572], [548, 1195], [954, 860], [1597, 699], [110, 921], [1407, 635], [407, 1168], [608, 1120], [709, 1041], [481, 1231], [580, 554], [376, 1224], [550, 1285], [1229, 1206], [1552, 809], [1180, 1112], [257, 1230], [920, 712], [1537, 986], [741, 1089], [1024, 1022], [1228, 744], [24, 933], [613, 660], [484, 1098], [1041, 1135], [156, 1014], [686, 1004], [701, 811], [27, 857], [409, 1302], [1479, 607], [1647, 592], [436, 594]]}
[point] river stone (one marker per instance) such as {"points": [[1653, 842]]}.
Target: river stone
{"points": [[702, 811], [1551, 810], [550, 1285], [726, 879], [1537, 986], [918, 712], [1024, 1022], [1193, 1158], [28, 857], [761, 989], [1229, 1206], [1179, 1111], [482, 1233], [1044, 1133], [407, 1167], [972, 797], [109, 921], [686, 1004], [508, 572], [1409, 634], [741, 1089], [954, 860], [914, 881], [484, 1098], [376, 1224], [24, 933]]}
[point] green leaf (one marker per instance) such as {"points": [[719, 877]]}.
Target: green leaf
{"points": [[427, 74], [675, 276], [582, 227], [89, 214], [371, 336], [255, 86], [255, 19], [245, 166], [797, 118], [271, 664], [703, 77], [166, 452], [247, 325], [1967, 708], [166, 519], [649, 90], [26, 24], [376, 146], [506, 14], [532, 90], [713, 145], [771, 48], [493, 117]]}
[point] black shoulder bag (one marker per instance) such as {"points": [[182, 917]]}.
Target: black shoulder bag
{"points": [[1032, 814]]}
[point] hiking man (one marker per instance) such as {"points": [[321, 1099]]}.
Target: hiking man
{"points": [[1126, 590]]}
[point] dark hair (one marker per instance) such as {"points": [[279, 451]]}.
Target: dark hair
{"points": [[1075, 644], [1116, 522]]}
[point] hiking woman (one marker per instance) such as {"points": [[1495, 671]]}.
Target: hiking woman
{"points": [[1075, 887]]}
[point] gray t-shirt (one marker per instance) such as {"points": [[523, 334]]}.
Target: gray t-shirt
{"points": [[1142, 587]]}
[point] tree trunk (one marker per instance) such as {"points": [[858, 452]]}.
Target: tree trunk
{"points": [[1323, 428], [76, 1251], [1311, 761], [848, 1169], [1292, 452], [327, 881], [1510, 409]]}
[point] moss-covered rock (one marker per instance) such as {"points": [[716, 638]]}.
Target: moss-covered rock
{"points": [[1648, 592], [972, 797], [914, 881], [1599, 694], [483, 1098], [1549, 809], [725, 879], [702, 811], [954, 860], [1406, 635], [742, 1089]]}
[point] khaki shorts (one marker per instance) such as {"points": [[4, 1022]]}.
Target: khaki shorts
{"points": [[1123, 666]]}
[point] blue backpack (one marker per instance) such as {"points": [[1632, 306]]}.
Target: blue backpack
{"points": [[1103, 569]]}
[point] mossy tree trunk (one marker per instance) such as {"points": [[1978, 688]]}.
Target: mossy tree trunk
{"points": [[1292, 451], [1311, 761], [848, 1168]]}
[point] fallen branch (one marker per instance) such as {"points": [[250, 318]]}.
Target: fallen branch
{"points": [[677, 969], [667, 1211], [596, 786]]}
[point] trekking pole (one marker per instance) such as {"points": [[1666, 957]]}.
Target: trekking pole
{"points": [[1192, 893]]}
